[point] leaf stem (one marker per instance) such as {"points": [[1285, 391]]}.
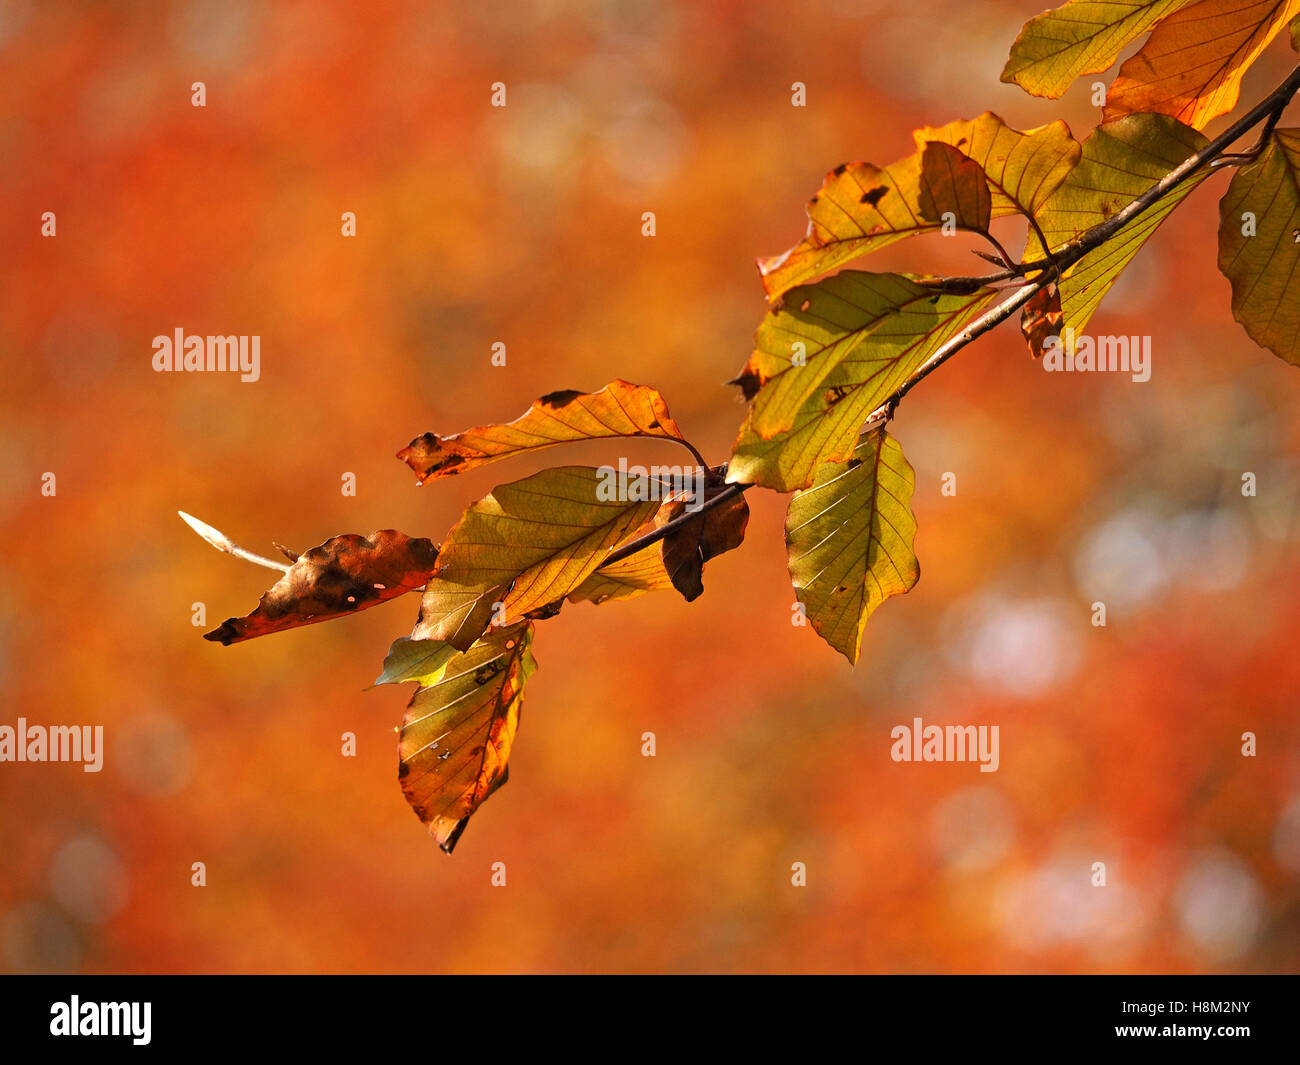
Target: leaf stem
{"points": [[222, 542]]}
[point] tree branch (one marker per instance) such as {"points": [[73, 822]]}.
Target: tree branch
{"points": [[1048, 270]]}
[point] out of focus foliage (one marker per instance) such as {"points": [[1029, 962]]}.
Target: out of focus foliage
{"points": [[1122, 744]]}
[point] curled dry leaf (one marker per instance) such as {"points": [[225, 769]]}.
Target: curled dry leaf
{"points": [[718, 530], [456, 735], [850, 540], [1041, 318], [1121, 161], [619, 409], [861, 208], [342, 576]]}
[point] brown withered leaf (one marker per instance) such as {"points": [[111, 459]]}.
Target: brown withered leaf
{"points": [[456, 734], [954, 184], [1192, 65], [342, 576], [1041, 318], [619, 409], [718, 530]]}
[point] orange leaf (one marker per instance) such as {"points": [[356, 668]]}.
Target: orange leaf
{"points": [[619, 409], [344, 575], [456, 734], [1192, 64]]}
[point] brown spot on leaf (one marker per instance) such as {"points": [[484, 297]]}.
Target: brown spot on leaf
{"points": [[749, 381], [874, 196], [560, 398]]}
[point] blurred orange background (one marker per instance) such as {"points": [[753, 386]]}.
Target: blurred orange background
{"points": [[523, 225]]}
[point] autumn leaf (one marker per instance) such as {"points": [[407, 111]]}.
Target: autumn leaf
{"points": [[861, 208], [698, 539], [1041, 318], [642, 571], [1023, 168], [859, 336], [1264, 266], [422, 661], [954, 185], [1121, 161], [1192, 64], [456, 734], [850, 540], [619, 409], [342, 576], [527, 546], [1081, 37], [1295, 33]]}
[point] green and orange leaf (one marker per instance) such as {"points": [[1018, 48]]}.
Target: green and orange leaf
{"points": [[859, 336], [850, 539], [458, 730], [526, 546], [1121, 161], [641, 572], [1023, 167]]}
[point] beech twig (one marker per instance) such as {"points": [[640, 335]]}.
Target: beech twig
{"points": [[1048, 269], [222, 542]]}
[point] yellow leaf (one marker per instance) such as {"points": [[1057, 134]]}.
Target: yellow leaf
{"points": [[1121, 161], [526, 546], [1192, 64], [457, 731], [1264, 267], [1081, 37], [714, 532], [850, 539], [626, 579], [859, 336], [619, 409], [862, 208]]}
